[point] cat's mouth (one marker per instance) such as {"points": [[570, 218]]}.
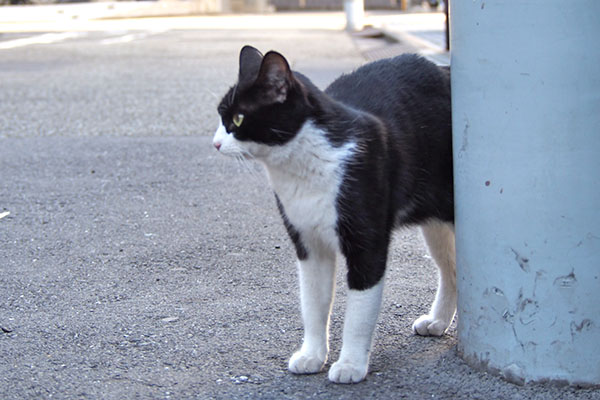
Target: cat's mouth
{"points": [[223, 141], [228, 146]]}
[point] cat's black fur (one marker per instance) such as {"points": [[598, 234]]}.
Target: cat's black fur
{"points": [[408, 158], [397, 111]]}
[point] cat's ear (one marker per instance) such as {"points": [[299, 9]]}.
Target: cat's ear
{"points": [[250, 61], [275, 77]]}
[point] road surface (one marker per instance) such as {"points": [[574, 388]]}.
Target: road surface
{"points": [[136, 262]]}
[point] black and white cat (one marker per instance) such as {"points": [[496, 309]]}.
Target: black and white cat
{"points": [[371, 153]]}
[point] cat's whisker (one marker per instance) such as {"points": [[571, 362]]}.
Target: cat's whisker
{"points": [[233, 92], [244, 159], [281, 131], [245, 156], [241, 162], [213, 94]]}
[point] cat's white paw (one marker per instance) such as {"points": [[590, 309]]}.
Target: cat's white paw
{"points": [[426, 325], [346, 372], [301, 363]]}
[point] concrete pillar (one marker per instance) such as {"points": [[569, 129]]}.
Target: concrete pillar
{"points": [[526, 131], [355, 14]]}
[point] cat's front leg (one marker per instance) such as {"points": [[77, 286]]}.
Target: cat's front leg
{"points": [[362, 309], [317, 283]]}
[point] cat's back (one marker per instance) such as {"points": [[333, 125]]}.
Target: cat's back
{"points": [[407, 84], [410, 96]]}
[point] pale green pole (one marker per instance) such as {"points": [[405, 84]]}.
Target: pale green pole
{"points": [[526, 132]]}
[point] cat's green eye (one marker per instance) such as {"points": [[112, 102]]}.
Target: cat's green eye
{"points": [[238, 119]]}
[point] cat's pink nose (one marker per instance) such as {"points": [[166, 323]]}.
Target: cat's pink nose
{"points": [[217, 145]]}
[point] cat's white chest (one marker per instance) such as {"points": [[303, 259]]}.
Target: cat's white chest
{"points": [[308, 183], [311, 211]]}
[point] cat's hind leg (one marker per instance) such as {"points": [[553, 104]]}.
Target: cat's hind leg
{"points": [[439, 237], [317, 284]]}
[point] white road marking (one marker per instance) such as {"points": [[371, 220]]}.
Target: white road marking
{"points": [[45, 38], [131, 37], [48, 38]]}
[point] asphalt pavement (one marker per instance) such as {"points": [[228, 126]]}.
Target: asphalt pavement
{"points": [[136, 262]]}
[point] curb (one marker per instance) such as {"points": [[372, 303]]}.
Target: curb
{"points": [[411, 30], [426, 48]]}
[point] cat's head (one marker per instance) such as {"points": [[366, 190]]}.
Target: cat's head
{"points": [[266, 108]]}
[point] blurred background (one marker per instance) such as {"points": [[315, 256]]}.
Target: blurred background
{"points": [[135, 261], [268, 5]]}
